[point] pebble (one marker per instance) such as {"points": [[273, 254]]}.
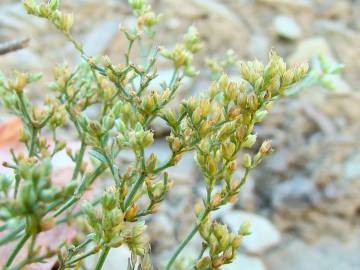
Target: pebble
{"points": [[245, 262], [309, 49], [263, 235], [100, 36], [287, 27], [296, 193]]}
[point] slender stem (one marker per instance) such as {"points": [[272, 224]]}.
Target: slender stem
{"points": [[16, 250], [26, 261], [102, 258], [32, 143], [65, 206], [31, 246], [12, 234], [184, 243], [138, 182], [81, 257], [79, 159], [24, 110], [86, 181], [133, 191]]}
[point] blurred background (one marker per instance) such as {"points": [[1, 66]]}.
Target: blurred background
{"points": [[303, 202]]}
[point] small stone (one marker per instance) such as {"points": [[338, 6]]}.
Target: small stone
{"points": [[309, 49], [290, 3], [117, 256], [165, 76], [352, 168], [215, 7], [184, 172], [263, 233], [161, 230], [259, 46], [245, 262], [99, 38], [160, 127], [287, 27], [297, 193]]}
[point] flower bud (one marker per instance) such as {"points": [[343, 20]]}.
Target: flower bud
{"points": [[117, 108], [218, 262], [246, 161], [203, 263], [252, 102], [20, 82], [169, 116], [108, 201], [151, 163], [265, 147], [216, 200], [228, 150], [260, 115], [245, 228], [108, 121], [229, 254], [223, 82], [211, 166], [46, 224], [131, 212], [148, 139], [235, 244], [249, 141]]}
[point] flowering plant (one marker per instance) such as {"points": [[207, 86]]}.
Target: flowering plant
{"points": [[216, 126]]}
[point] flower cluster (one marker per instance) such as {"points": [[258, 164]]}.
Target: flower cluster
{"points": [[217, 126]]}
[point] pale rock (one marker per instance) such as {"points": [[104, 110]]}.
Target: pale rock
{"points": [[161, 230], [263, 233], [309, 49], [116, 259], [13, 16], [24, 59], [165, 75], [287, 27], [289, 3], [328, 253], [245, 262], [222, 211], [100, 36], [352, 168], [184, 172], [215, 7], [259, 46], [297, 193], [160, 127]]}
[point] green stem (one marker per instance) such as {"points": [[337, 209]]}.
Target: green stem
{"points": [[86, 181], [16, 250], [32, 143], [133, 191], [79, 159], [81, 257], [102, 258], [12, 234], [138, 182], [184, 243], [26, 261], [65, 206]]}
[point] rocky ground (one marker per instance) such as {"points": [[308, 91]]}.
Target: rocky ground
{"points": [[303, 201]]}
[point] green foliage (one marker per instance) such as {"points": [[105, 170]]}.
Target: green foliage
{"points": [[217, 126]]}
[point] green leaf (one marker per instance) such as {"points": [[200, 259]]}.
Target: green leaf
{"points": [[98, 155], [54, 4], [33, 77]]}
